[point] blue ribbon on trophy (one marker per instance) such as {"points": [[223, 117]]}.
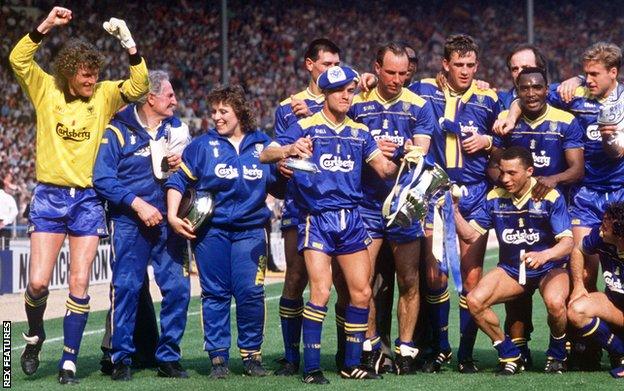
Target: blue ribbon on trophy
{"points": [[450, 259]]}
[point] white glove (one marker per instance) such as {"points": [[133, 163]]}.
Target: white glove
{"points": [[118, 29]]}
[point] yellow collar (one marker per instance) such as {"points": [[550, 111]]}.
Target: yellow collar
{"points": [[519, 202]]}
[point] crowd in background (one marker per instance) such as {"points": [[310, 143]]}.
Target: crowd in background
{"points": [[266, 43]]}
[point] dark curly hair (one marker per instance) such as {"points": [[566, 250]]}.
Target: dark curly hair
{"points": [[74, 55], [615, 211], [234, 96], [460, 43]]}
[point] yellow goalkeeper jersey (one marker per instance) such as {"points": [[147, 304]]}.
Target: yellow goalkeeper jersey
{"points": [[69, 130]]}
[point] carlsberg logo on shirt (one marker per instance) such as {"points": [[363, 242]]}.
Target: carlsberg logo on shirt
{"points": [[333, 163], [252, 173], [517, 236], [613, 282], [227, 172], [541, 160]]}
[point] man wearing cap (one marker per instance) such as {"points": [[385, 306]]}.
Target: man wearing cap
{"points": [[393, 115], [320, 54], [331, 225]]}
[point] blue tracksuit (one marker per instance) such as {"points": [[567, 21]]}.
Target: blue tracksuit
{"points": [[123, 171], [231, 249]]}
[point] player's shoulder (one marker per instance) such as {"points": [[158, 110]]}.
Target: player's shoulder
{"points": [[497, 193], [487, 93], [313, 120], [412, 98], [355, 125], [555, 114], [553, 196], [299, 95]]}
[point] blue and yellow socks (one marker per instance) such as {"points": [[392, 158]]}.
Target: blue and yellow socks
{"points": [[73, 327], [291, 316], [313, 317]]}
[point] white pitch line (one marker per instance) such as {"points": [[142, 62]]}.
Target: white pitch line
{"points": [[92, 332]]}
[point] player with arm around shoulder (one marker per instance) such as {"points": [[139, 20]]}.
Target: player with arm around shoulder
{"points": [[331, 225]]}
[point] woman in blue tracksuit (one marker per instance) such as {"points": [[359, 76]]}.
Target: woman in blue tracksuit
{"points": [[230, 250]]}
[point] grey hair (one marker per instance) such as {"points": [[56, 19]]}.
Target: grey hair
{"points": [[156, 79]]}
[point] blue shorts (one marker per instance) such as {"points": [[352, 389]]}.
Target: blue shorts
{"points": [[533, 277], [473, 196], [376, 226], [588, 206], [290, 214], [333, 232], [66, 210]]}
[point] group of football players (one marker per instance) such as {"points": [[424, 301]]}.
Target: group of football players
{"points": [[541, 164]]}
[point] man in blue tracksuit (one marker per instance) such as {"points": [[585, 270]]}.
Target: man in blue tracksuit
{"points": [[230, 250], [123, 175]]}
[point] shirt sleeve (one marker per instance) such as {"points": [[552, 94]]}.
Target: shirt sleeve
{"points": [[482, 221], [105, 171], [573, 135], [560, 218], [591, 242], [30, 76], [554, 98], [189, 168], [425, 121], [370, 146], [281, 122], [292, 134]]}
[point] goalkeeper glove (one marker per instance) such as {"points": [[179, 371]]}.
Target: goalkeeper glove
{"points": [[118, 29]]}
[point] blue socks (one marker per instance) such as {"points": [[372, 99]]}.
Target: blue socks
{"points": [[439, 307], [73, 327], [507, 351], [356, 324], [468, 330], [600, 332], [313, 317], [291, 316]]}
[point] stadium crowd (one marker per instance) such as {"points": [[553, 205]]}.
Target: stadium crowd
{"points": [[267, 39]]}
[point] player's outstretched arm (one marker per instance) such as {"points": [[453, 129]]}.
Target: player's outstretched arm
{"points": [[59, 16]]}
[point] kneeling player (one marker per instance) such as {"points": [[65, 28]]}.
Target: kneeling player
{"points": [[542, 229], [596, 314]]}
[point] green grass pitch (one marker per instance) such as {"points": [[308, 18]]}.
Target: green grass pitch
{"points": [[196, 361]]}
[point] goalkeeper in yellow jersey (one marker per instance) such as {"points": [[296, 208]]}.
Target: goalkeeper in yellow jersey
{"points": [[72, 110]]}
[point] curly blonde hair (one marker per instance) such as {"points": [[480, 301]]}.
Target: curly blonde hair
{"points": [[74, 55], [234, 96]]}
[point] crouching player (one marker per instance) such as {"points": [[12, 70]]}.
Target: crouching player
{"points": [[331, 225], [598, 314], [535, 240]]}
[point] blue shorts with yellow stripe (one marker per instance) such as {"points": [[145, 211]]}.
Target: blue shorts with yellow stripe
{"points": [[377, 228], [588, 206], [333, 232], [290, 214], [473, 196], [66, 210]]}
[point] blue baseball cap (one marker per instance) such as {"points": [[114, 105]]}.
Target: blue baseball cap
{"points": [[336, 77]]}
